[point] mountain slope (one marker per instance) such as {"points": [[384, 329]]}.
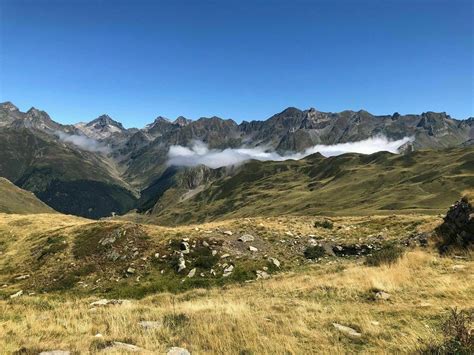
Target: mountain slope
{"points": [[15, 200], [69, 180], [343, 185]]}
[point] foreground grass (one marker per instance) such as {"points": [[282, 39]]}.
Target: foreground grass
{"points": [[290, 313]]}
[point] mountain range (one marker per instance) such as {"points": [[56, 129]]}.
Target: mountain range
{"points": [[98, 168]]}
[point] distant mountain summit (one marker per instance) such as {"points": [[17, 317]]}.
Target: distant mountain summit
{"points": [[101, 128]]}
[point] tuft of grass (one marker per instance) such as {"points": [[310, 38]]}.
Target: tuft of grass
{"points": [[388, 255], [457, 334]]}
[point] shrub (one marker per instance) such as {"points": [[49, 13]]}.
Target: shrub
{"points": [[327, 224], [389, 254], [458, 338], [314, 252]]}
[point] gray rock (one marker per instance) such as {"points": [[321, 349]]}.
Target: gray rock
{"points": [[228, 233], [117, 345], [55, 352], [253, 249], [105, 302], [147, 324], [228, 270], [184, 247], [17, 294], [177, 351], [192, 273], [205, 244], [22, 277], [381, 295], [262, 275], [275, 262], [130, 270], [181, 263], [347, 331], [246, 238]]}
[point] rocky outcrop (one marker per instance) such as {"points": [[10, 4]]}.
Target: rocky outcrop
{"points": [[457, 230]]}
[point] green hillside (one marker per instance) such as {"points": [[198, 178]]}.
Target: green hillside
{"points": [[350, 184], [70, 181], [15, 200]]}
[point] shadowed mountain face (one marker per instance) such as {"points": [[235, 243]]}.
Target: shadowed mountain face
{"points": [[96, 168]]}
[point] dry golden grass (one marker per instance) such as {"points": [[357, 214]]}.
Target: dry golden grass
{"points": [[290, 313]]}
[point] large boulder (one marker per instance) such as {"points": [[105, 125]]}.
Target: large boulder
{"points": [[457, 230]]}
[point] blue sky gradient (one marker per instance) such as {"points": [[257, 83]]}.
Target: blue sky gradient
{"points": [[244, 60]]}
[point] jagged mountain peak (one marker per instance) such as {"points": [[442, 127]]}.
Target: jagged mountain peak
{"points": [[103, 121], [181, 121], [7, 105]]}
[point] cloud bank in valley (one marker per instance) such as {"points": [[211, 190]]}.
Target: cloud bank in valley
{"points": [[200, 154], [83, 142]]}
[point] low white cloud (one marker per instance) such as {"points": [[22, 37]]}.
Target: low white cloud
{"points": [[83, 142], [200, 154]]}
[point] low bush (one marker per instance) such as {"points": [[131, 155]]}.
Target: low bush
{"points": [[389, 254], [457, 334], [314, 252], [327, 224]]}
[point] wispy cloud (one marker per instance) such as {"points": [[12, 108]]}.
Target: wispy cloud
{"points": [[83, 142], [200, 154]]}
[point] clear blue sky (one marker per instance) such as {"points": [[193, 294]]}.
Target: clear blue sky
{"points": [[244, 60]]}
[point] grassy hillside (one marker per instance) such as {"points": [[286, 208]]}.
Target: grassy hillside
{"points": [[71, 181], [62, 265], [15, 200], [350, 184]]}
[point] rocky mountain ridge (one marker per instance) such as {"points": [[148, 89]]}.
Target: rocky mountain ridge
{"points": [[58, 161]]}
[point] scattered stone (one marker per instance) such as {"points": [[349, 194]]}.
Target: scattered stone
{"points": [[117, 345], [214, 252], [17, 294], [130, 270], [347, 331], [381, 295], [288, 233], [181, 263], [148, 324], [184, 247], [275, 262], [106, 302], [253, 249], [205, 244], [375, 323], [458, 267], [213, 272], [262, 275], [157, 255], [228, 233], [22, 277], [98, 335], [223, 256], [55, 352], [192, 273], [246, 238], [177, 351], [228, 270]]}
